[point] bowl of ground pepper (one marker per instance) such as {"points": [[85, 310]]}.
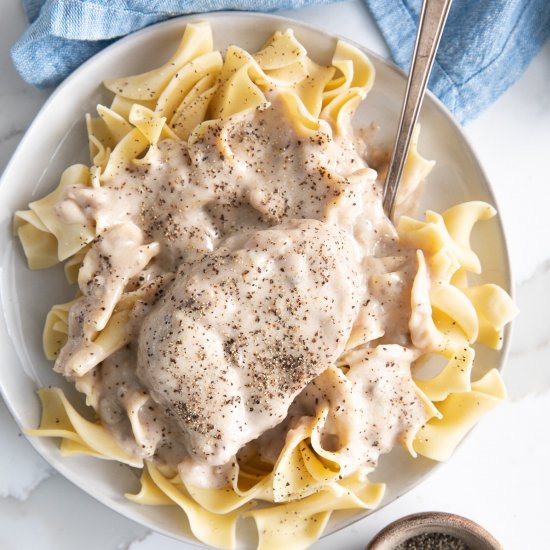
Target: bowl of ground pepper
{"points": [[434, 531]]}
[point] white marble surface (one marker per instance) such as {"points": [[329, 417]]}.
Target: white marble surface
{"points": [[498, 477]]}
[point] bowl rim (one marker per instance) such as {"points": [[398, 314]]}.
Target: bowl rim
{"points": [[411, 525]]}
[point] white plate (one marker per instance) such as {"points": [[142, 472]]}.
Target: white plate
{"points": [[57, 138]]}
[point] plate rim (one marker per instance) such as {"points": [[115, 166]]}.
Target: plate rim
{"points": [[61, 466]]}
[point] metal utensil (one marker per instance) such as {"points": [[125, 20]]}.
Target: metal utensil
{"points": [[430, 27]]}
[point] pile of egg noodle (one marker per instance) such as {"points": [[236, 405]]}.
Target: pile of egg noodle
{"points": [[177, 101]]}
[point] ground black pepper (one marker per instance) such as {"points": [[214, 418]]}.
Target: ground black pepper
{"points": [[433, 541]]}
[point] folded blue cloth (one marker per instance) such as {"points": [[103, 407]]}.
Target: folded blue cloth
{"points": [[486, 45], [65, 33]]}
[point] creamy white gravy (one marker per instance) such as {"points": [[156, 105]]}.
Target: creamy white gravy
{"points": [[256, 258]]}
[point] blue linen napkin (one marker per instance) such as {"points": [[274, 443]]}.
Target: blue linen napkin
{"points": [[486, 46]]}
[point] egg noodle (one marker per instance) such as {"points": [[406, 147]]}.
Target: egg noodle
{"points": [[291, 497]]}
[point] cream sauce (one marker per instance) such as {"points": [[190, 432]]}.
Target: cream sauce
{"points": [[264, 256], [243, 330]]}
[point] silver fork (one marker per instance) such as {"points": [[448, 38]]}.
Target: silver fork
{"points": [[430, 27]]}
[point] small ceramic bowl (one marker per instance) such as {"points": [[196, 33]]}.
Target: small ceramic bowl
{"points": [[463, 529]]}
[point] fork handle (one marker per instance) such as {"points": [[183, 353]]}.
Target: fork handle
{"points": [[430, 27]]}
